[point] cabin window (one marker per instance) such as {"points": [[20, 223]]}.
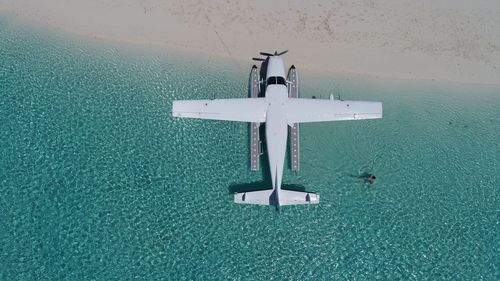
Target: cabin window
{"points": [[276, 80]]}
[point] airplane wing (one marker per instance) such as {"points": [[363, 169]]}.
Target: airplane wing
{"points": [[316, 110], [244, 109]]}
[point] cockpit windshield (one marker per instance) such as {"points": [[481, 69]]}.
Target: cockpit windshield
{"points": [[276, 80]]}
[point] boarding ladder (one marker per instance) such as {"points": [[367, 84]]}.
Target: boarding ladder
{"points": [[255, 142], [293, 132]]}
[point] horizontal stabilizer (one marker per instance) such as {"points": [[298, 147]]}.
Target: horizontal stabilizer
{"points": [[260, 197], [290, 197], [268, 197]]}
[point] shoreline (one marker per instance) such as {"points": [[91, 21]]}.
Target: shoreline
{"points": [[380, 55]]}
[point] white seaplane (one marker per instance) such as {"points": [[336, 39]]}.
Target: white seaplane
{"points": [[275, 101]]}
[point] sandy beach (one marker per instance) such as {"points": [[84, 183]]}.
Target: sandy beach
{"points": [[444, 40]]}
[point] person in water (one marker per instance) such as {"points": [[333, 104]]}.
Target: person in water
{"points": [[367, 177]]}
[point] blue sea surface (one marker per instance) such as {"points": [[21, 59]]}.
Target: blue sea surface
{"points": [[99, 182]]}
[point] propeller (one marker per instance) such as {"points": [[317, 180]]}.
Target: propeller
{"points": [[282, 53], [269, 55], [275, 53]]}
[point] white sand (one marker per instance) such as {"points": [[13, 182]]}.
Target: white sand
{"points": [[453, 40]]}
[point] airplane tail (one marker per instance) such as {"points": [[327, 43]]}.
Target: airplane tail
{"points": [[268, 197]]}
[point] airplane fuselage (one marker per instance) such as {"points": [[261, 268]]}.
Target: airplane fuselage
{"points": [[276, 121]]}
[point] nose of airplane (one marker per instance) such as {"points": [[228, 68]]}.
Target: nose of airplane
{"points": [[275, 67]]}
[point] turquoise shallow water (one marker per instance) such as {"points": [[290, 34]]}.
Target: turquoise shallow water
{"points": [[98, 181]]}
